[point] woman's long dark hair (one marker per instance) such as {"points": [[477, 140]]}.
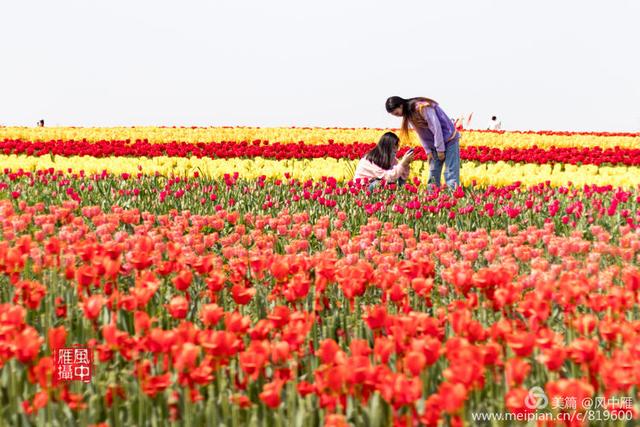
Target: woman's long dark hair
{"points": [[410, 113], [383, 154]]}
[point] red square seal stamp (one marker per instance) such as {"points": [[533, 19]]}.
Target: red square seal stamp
{"points": [[73, 364]]}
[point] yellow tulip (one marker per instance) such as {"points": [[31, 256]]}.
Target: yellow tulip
{"points": [[308, 135], [497, 174]]}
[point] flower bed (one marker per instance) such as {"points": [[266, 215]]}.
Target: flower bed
{"points": [[249, 289], [313, 303]]}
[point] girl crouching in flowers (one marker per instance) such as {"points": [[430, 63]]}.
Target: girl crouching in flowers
{"points": [[381, 163], [438, 135]]}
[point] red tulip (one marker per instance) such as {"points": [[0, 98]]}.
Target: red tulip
{"points": [[178, 307], [92, 306], [57, 337], [271, 394], [183, 280]]}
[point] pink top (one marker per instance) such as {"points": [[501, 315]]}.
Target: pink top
{"points": [[367, 169]]}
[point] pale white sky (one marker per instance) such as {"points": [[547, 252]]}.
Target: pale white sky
{"points": [[562, 65]]}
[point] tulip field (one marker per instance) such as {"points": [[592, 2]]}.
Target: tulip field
{"points": [[239, 276]]}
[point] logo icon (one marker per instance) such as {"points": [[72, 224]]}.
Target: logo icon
{"points": [[73, 364], [536, 399]]}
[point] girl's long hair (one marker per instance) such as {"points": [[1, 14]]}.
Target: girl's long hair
{"points": [[410, 114], [383, 154]]}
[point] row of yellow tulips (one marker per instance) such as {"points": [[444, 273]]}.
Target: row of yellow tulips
{"points": [[311, 136], [498, 174]]}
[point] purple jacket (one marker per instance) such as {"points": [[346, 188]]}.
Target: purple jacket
{"points": [[441, 129]]}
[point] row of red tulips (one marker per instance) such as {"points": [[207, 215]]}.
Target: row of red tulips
{"points": [[573, 155], [491, 207]]}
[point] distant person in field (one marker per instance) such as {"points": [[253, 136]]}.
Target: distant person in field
{"points": [[381, 163], [438, 135], [40, 123], [494, 124]]}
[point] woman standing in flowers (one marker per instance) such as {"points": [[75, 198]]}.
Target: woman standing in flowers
{"points": [[381, 163], [438, 135]]}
